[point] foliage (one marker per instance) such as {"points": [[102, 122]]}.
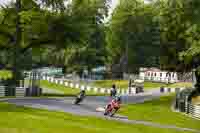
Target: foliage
{"points": [[67, 36], [180, 33], [133, 24]]}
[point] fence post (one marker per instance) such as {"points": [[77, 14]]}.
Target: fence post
{"points": [[186, 105]]}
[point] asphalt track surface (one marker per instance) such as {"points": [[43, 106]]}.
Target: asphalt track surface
{"points": [[90, 104]]}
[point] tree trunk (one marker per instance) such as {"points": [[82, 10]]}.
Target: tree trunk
{"points": [[16, 71], [197, 86], [64, 68]]}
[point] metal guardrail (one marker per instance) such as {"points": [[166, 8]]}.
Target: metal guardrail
{"points": [[18, 91], [193, 110]]}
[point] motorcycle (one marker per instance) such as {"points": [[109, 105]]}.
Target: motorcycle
{"points": [[112, 108], [79, 99]]}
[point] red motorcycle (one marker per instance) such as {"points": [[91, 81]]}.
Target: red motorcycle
{"points": [[112, 107]]}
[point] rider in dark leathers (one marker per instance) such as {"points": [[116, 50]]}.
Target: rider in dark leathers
{"points": [[113, 91]]}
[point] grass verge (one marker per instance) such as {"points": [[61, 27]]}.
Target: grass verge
{"points": [[159, 111], [26, 120]]}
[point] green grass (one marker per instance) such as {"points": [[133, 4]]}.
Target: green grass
{"points": [[123, 84], [153, 85], [181, 84], [5, 74], [26, 120], [159, 111]]}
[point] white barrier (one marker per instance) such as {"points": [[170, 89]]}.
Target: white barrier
{"points": [[71, 85], [77, 86], [2, 91], [165, 89], [127, 92], [66, 84], [61, 82], [52, 79], [82, 87], [20, 92], [123, 92], [48, 78], [88, 88], [133, 90], [56, 81], [118, 91], [173, 90], [102, 90], [108, 91], [182, 89], [193, 110], [95, 90]]}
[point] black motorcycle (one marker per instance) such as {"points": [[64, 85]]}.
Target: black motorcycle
{"points": [[79, 98]]}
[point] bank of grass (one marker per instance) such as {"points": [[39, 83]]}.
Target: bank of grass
{"points": [[147, 85], [159, 111], [26, 120], [66, 90], [45, 84], [122, 84]]}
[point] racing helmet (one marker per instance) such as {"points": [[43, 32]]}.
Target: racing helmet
{"points": [[82, 91], [118, 98]]}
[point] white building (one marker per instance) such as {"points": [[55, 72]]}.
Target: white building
{"points": [[157, 75]]}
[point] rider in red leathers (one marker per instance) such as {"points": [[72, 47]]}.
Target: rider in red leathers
{"points": [[113, 106]]}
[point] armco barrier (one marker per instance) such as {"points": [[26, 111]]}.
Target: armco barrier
{"points": [[77, 86], [61, 82], [95, 90], [9, 91], [82, 87], [66, 84], [193, 110], [2, 91], [88, 88], [102, 90], [20, 92], [71, 85]]}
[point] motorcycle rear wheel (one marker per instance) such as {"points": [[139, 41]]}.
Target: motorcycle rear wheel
{"points": [[77, 101]]}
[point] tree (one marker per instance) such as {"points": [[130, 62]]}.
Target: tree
{"points": [[18, 13], [65, 35], [130, 38]]}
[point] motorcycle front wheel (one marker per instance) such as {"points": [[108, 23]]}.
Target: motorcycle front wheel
{"points": [[112, 113], [107, 110]]}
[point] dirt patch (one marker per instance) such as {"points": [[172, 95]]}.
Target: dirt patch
{"points": [[196, 100]]}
